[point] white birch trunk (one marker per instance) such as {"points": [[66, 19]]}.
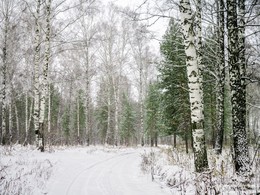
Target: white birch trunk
{"points": [[109, 133], [87, 120], [49, 110], [116, 94], [28, 119], [36, 113], [17, 122], [45, 75], [10, 123], [78, 118], [199, 48], [4, 72], [197, 118], [141, 102]]}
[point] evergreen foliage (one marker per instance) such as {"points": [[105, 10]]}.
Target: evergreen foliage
{"points": [[81, 111], [173, 82], [209, 60], [55, 106], [66, 122], [127, 121], [153, 114]]}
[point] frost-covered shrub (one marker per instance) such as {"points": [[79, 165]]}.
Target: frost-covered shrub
{"points": [[175, 169], [21, 175]]}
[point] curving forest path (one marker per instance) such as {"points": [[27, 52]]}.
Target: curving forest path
{"points": [[102, 173]]}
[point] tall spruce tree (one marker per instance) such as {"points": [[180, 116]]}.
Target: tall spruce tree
{"points": [[152, 107], [127, 121], [173, 83]]}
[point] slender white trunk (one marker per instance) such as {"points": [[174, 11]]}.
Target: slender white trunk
{"points": [[78, 118], [196, 105], [36, 112], [45, 75], [17, 122], [28, 119], [87, 120], [4, 72], [10, 123], [199, 48], [116, 115], [109, 133], [141, 101], [49, 110]]}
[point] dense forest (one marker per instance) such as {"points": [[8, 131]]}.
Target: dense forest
{"points": [[91, 72]]}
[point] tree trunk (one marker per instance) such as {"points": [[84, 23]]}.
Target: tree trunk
{"points": [[45, 75], [108, 133], [10, 123], [28, 118], [78, 124], [4, 72], [49, 110], [17, 123], [221, 78], [197, 118], [141, 102], [87, 120], [36, 113], [236, 67], [116, 112]]}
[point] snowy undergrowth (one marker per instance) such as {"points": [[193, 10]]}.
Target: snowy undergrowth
{"points": [[22, 171], [175, 169], [26, 170]]}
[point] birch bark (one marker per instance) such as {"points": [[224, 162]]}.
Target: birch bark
{"points": [[196, 105], [238, 98], [45, 74], [36, 113], [4, 72], [17, 123], [221, 77]]}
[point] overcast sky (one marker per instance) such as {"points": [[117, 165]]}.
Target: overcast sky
{"points": [[158, 28]]}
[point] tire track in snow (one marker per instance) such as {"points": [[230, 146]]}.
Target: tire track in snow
{"points": [[93, 166]]}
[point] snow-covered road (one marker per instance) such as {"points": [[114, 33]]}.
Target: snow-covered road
{"points": [[98, 172]]}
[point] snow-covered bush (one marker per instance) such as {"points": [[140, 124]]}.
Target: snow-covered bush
{"points": [[21, 175], [175, 169]]}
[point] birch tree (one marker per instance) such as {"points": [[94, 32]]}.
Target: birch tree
{"points": [[197, 118], [88, 11], [238, 98], [6, 13], [220, 76], [36, 112], [45, 73], [142, 59]]}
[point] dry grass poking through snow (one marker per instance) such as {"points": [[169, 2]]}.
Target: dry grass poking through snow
{"points": [[21, 172], [175, 169]]}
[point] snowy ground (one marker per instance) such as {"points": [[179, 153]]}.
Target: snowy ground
{"points": [[116, 171], [88, 171]]}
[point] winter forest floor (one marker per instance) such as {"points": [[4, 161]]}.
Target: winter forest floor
{"points": [[118, 171]]}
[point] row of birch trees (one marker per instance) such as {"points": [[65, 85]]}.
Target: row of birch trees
{"points": [[73, 73]]}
